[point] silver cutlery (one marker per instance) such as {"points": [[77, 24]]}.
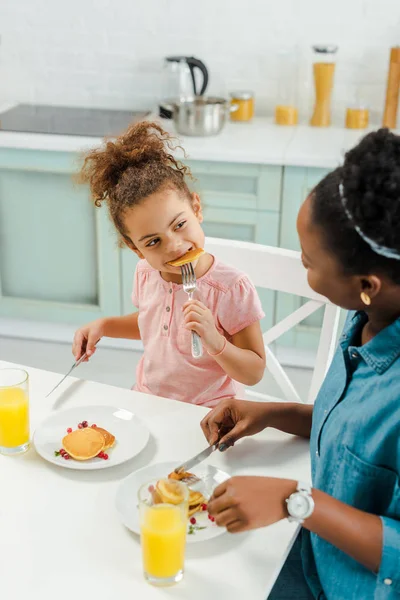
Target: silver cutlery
{"points": [[189, 286], [76, 364], [192, 462]]}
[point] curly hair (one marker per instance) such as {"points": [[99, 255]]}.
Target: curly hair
{"points": [[370, 177], [125, 171]]}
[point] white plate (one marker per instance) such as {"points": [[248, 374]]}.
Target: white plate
{"points": [[127, 496], [131, 436]]}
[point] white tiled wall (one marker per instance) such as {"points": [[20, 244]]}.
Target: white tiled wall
{"points": [[109, 52]]}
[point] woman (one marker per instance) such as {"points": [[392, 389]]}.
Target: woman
{"points": [[349, 546]]}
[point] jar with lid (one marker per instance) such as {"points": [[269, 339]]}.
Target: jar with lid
{"points": [[324, 58], [242, 103]]}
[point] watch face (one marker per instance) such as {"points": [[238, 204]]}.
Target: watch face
{"points": [[298, 505]]}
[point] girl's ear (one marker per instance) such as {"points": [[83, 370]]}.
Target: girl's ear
{"points": [[197, 208]]}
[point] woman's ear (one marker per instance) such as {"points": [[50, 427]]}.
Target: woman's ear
{"points": [[197, 208], [371, 285]]}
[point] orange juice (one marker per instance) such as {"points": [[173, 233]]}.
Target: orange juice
{"points": [[14, 417], [163, 539]]}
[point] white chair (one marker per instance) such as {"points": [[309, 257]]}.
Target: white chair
{"points": [[281, 270]]}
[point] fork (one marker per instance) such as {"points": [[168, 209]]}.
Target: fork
{"points": [[189, 286]]}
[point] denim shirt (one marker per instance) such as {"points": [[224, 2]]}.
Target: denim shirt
{"points": [[355, 457]]}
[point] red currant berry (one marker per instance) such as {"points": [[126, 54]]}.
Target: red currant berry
{"points": [[105, 456], [66, 456], [84, 424], [193, 521], [80, 426], [69, 430]]}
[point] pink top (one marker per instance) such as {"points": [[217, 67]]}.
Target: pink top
{"points": [[167, 367]]}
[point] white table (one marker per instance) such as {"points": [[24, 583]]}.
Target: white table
{"points": [[60, 533]]}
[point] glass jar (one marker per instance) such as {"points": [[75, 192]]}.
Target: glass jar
{"points": [[357, 113], [323, 69], [286, 111], [244, 101]]}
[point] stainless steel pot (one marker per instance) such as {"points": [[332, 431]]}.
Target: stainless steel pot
{"points": [[201, 116]]}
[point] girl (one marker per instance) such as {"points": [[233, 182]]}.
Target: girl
{"points": [[349, 547], [159, 219]]}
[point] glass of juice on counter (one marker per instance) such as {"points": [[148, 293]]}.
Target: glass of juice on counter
{"points": [[163, 506], [14, 411]]}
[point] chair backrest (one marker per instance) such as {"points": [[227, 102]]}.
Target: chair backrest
{"points": [[282, 271]]}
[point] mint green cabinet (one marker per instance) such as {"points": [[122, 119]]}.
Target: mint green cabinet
{"points": [[298, 182], [58, 257]]}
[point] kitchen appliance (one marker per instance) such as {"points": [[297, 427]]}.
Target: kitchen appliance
{"points": [[184, 78], [392, 90], [61, 120], [324, 69], [201, 116]]}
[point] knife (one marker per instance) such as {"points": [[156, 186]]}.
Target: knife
{"points": [[76, 364], [189, 464]]}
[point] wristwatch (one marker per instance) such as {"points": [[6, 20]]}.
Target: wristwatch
{"points": [[300, 504]]}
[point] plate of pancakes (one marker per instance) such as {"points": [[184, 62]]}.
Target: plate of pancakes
{"points": [[93, 437], [199, 493]]}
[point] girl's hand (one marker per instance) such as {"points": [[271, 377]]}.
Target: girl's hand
{"points": [[200, 319], [86, 338], [233, 419], [243, 503]]}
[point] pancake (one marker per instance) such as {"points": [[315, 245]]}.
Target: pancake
{"points": [[179, 476], [83, 444], [189, 257], [196, 499], [194, 509], [109, 439]]}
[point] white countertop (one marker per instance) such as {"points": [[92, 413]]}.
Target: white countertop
{"points": [[60, 532], [258, 142]]}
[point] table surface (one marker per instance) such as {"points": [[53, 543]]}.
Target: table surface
{"points": [[60, 532]]}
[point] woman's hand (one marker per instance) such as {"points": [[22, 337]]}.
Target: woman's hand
{"points": [[200, 319], [243, 503], [233, 419], [86, 338]]}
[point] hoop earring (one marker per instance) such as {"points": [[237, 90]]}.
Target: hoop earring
{"points": [[365, 298]]}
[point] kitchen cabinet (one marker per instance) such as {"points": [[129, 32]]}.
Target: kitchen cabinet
{"points": [[298, 182], [58, 257]]}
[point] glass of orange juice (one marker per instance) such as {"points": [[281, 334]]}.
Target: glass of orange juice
{"points": [[14, 411], [163, 526]]}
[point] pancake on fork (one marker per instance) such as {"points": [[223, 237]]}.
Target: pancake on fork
{"points": [[83, 444], [179, 476], [189, 257]]}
